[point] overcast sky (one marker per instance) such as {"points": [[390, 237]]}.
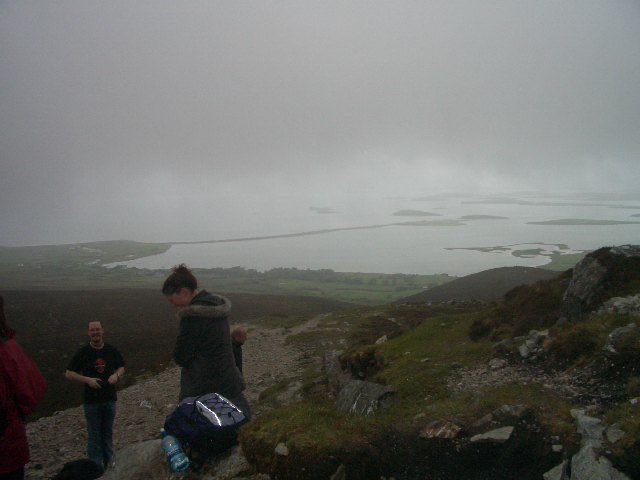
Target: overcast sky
{"points": [[119, 116]]}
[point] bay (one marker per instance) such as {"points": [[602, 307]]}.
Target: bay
{"points": [[456, 235]]}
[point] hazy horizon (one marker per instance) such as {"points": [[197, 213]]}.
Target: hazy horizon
{"points": [[162, 121]]}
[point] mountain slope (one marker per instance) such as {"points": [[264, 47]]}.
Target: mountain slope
{"points": [[486, 285]]}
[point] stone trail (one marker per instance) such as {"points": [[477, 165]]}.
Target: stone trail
{"points": [[143, 407]]}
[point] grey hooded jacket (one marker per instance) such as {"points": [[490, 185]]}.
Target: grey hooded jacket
{"points": [[203, 348]]}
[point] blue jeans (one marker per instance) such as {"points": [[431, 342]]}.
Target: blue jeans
{"points": [[100, 417]]}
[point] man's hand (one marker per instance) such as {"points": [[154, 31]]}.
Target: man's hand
{"points": [[94, 383], [113, 379]]}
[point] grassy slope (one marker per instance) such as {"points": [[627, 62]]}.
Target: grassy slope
{"points": [[426, 349], [427, 346]]}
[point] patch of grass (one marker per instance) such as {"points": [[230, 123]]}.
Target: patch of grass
{"points": [[270, 394], [418, 363], [314, 383], [633, 387], [308, 429], [552, 411], [622, 278], [364, 361], [525, 308], [626, 451], [577, 343]]}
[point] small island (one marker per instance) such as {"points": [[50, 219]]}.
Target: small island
{"points": [[415, 213], [432, 223], [581, 221], [323, 210], [483, 217]]}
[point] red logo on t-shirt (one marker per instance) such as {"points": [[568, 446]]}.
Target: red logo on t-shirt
{"points": [[100, 365]]}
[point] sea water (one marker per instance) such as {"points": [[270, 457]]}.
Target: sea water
{"points": [[380, 245]]}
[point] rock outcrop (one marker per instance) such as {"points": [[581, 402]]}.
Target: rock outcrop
{"points": [[592, 280], [353, 395], [146, 461], [589, 463], [362, 398]]}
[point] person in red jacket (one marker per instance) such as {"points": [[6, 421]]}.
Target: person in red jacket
{"points": [[21, 389]]}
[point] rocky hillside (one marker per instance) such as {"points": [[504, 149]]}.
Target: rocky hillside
{"points": [[507, 389], [520, 387]]}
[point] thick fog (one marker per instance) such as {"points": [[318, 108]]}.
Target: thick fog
{"points": [[141, 120]]}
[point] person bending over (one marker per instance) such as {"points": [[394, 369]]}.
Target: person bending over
{"points": [[203, 347]]}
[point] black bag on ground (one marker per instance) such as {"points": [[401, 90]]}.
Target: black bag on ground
{"points": [[208, 422], [82, 469]]}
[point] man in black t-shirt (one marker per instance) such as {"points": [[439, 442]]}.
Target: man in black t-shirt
{"points": [[98, 366]]}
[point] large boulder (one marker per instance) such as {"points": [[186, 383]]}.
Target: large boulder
{"points": [[589, 463], [616, 339], [363, 398], [597, 277], [146, 461], [623, 305]]}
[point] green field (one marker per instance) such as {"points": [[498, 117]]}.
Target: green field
{"points": [[81, 266]]}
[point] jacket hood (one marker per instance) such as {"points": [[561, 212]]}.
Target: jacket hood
{"points": [[205, 304]]}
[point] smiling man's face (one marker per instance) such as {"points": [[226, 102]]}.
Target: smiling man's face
{"points": [[96, 333]]}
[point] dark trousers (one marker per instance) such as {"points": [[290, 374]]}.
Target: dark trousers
{"points": [[100, 417], [15, 475]]}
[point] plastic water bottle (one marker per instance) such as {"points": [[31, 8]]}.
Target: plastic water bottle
{"points": [[178, 460]]}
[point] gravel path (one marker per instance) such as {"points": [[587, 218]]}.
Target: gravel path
{"points": [[143, 407]]}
